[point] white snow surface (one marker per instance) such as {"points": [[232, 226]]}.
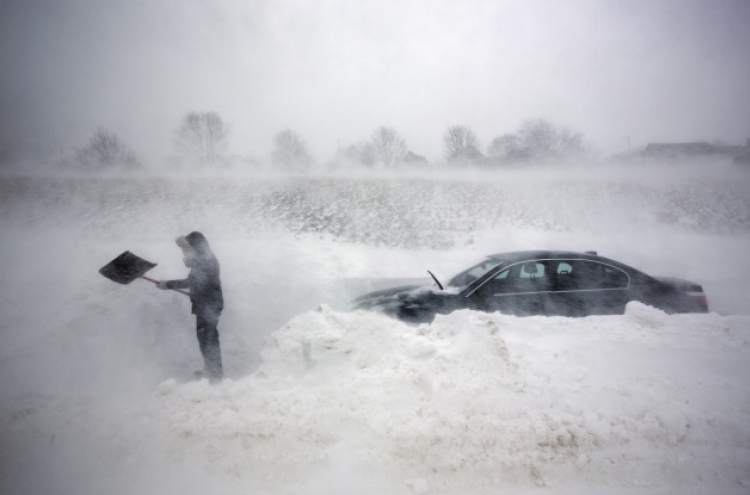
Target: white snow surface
{"points": [[97, 395]]}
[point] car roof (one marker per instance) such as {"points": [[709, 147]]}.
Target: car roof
{"points": [[542, 254], [520, 256]]}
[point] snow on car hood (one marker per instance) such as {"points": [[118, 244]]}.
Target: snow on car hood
{"points": [[390, 299]]}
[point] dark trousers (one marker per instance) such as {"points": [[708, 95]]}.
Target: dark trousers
{"points": [[208, 340]]}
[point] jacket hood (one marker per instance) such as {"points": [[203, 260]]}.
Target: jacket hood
{"points": [[197, 242]]}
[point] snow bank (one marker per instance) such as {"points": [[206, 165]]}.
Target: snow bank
{"points": [[477, 402]]}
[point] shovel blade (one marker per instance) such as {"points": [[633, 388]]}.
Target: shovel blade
{"points": [[126, 268]]}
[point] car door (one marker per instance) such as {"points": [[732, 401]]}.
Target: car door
{"points": [[520, 289], [590, 287]]}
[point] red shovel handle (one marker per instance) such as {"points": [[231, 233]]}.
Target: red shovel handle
{"points": [[156, 282]]}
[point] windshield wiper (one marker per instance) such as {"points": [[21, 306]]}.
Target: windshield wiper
{"points": [[435, 279]]}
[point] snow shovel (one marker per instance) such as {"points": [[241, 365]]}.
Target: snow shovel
{"points": [[128, 267]]}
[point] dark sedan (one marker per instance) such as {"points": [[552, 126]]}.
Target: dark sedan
{"points": [[551, 283]]}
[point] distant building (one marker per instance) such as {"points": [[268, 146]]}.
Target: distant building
{"points": [[744, 154], [676, 150], [690, 150]]}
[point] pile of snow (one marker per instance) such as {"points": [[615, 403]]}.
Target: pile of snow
{"points": [[477, 402], [474, 403]]}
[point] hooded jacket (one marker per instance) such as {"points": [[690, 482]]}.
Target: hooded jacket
{"points": [[203, 280]]}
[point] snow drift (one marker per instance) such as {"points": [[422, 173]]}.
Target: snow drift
{"points": [[96, 394]]}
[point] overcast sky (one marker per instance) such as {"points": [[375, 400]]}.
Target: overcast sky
{"points": [[334, 70]]}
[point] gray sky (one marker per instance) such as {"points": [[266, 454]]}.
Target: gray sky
{"points": [[334, 70]]}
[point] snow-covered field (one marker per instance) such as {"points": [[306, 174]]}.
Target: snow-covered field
{"points": [[96, 397]]}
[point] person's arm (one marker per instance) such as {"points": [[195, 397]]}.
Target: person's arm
{"points": [[174, 284]]}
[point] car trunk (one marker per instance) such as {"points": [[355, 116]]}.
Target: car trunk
{"points": [[695, 291]]}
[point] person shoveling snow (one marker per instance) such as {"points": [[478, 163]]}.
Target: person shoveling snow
{"points": [[206, 297], [205, 293]]}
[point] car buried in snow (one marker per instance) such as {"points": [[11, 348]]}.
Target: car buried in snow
{"points": [[548, 283]]}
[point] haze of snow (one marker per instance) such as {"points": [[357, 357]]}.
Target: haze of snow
{"points": [[97, 397]]}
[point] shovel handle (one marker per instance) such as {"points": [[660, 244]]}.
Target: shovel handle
{"points": [[156, 282]]}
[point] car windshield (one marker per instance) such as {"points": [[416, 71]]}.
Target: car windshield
{"points": [[471, 274]]}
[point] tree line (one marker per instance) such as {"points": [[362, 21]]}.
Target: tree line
{"points": [[201, 142]]}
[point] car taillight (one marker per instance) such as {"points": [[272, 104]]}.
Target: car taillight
{"points": [[700, 298]]}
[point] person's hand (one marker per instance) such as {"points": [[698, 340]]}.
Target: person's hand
{"points": [[162, 284]]}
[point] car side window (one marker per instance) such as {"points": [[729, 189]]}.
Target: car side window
{"points": [[532, 270], [520, 278], [614, 278], [564, 268], [589, 275]]}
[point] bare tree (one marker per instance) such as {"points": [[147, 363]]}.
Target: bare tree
{"points": [[461, 144], [361, 153], [387, 146], [290, 152], [572, 142], [202, 138], [504, 146], [105, 151], [541, 138]]}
